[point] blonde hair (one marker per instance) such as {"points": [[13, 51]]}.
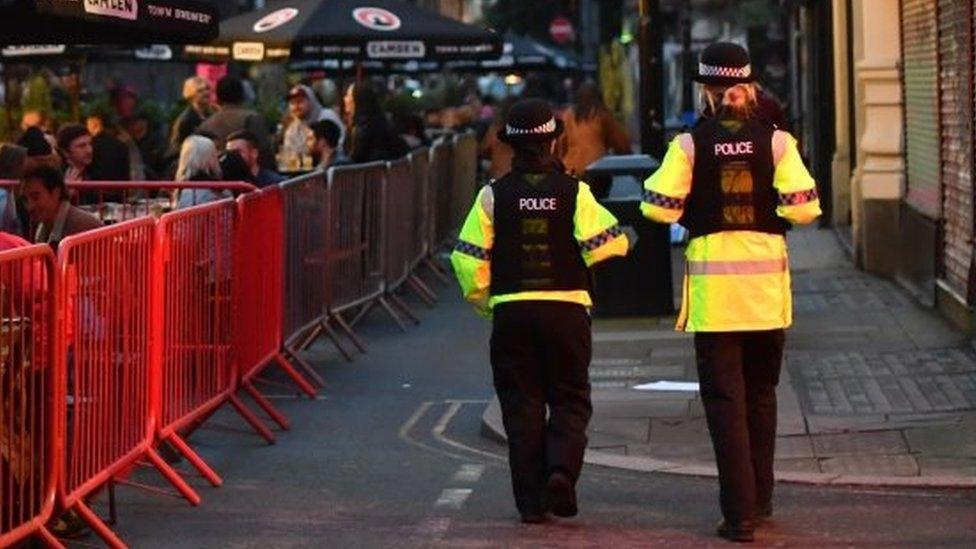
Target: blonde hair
{"points": [[739, 100], [192, 85], [198, 155]]}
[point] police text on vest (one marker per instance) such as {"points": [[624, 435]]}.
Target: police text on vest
{"points": [[537, 204], [733, 149]]}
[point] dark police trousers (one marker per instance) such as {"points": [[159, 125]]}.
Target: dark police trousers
{"points": [[738, 373], [540, 355]]}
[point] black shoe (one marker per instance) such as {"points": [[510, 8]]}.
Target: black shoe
{"points": [[742, 531], [561, 495], [534, 518]]}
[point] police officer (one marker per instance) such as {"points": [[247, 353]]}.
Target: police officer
{"points": [[522, 258], [736, 184]]}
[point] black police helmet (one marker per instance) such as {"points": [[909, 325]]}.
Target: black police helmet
{"points": [[724, 64], [530, 121]]}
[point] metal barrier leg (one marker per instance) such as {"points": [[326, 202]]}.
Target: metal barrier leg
{"points": [[334, 338], [363, 311], [194, 425], [50, 540], [99, 527], [421, 290], [305, 365], [302, 383], [403, 307], [173, 477], [437, 270], [195, 459], [347, 329], [252, 419], [392, 312], [266, 405], [311, 336]]}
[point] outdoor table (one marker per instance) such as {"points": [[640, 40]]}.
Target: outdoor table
{"points": [[640, 284]]}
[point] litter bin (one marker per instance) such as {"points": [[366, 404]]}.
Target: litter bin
{"points": [[639, 284]]}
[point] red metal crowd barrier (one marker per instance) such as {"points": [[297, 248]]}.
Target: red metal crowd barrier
{"points": [[258, 271], [464, 179], [140, 330], [419, 252], [29, 456], [377, 215], [398, 213], [346, 252], [441, 167], [399, 206], [195, 288], [108, 407], [306, 243]]}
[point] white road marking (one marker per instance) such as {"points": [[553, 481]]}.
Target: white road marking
{"points": [[405, 436], [469, 472], [412, 421], [452, 498], [433, 528], [677, 386], [441, 426], [618, 362]]}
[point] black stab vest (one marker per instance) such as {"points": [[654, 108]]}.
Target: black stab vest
{"points": [[732, 182], [534, 248]]}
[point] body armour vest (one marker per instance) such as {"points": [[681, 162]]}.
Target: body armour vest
{"points": [[732, 182], [535, 248]]}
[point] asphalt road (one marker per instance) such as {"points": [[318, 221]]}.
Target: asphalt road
{"points": [[392, 456]]}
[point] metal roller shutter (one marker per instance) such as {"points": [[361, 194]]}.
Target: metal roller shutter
{"points": [[956, 92], [922, 137]]}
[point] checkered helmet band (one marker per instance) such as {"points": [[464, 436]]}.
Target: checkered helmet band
{"points": [[725, 72], [547, 128]]}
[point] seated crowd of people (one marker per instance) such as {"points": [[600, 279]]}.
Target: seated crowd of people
{"points": [[216, 137]]}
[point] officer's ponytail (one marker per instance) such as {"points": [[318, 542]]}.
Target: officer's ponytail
{"points": [[737, 101]]}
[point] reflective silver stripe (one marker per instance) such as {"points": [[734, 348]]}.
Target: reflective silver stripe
{"points": [[766, 266]]}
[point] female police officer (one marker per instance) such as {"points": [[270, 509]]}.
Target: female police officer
{"points": [[522, 257], [736, 184]]}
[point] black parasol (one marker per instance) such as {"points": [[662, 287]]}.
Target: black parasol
{"points": [[523, 53], [106, 21], [386, 30], [520, 53]]}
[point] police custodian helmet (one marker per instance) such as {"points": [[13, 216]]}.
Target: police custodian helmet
{"points": [[724, 64], [530, 120]]}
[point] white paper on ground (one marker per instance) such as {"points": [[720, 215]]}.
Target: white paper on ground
{"points": [[683, 386]]}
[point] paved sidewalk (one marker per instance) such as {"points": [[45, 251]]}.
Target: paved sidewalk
{"points": [[876, 390]]}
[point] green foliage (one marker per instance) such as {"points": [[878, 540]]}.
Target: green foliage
{"points": [[37, 95]]}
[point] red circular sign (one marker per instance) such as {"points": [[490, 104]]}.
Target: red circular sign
{"points": [[377, 19], [275, 19], [561, 30]]}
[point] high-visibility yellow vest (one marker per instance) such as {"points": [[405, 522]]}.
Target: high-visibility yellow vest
{"points": [[594, 228], [734, 280]]}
